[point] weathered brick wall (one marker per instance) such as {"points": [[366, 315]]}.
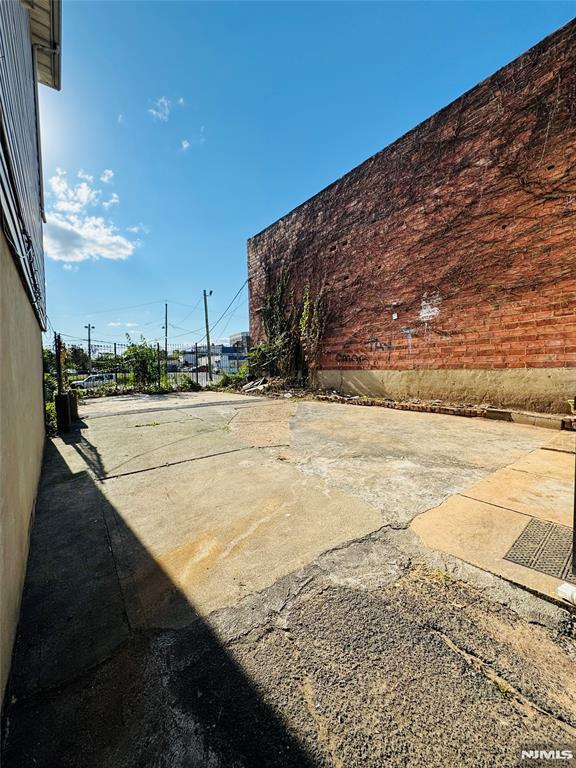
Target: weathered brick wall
{"points": [[455, 247]]}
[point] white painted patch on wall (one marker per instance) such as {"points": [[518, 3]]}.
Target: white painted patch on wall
{"points": [[430, 307]]}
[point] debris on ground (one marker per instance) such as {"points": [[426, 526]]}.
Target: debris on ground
{"points": [[278, 387]]}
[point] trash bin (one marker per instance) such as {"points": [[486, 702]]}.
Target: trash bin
{"points": [[62, 403]]}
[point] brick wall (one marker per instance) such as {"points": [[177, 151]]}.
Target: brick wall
{"points": [[454, 247]]}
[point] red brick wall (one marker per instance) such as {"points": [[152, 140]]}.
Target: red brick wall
{"points": [[464, 227]]}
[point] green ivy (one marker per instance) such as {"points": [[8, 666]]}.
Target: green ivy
{"points": [[50, 419]]}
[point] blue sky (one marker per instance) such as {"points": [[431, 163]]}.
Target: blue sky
{"points": [[183, 128]]}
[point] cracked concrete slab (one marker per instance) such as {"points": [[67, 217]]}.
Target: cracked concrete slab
{"points": [[226, 581], [403, 463], [481, 524]]}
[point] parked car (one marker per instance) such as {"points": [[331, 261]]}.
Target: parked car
{"points": [[93, 381]]}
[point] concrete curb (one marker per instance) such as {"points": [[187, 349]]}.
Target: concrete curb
{"points": [[548, 421]]}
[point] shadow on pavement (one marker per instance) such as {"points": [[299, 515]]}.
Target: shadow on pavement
{"points": [[97, 680]]}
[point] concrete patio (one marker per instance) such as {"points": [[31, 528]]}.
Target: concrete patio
{"points": [[222, 580]]}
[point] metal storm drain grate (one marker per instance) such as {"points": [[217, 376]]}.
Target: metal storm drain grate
{"points": [[544, 547]]}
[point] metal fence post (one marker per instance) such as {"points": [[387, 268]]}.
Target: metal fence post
{"points": [[158, 360], [196, 360], [61, 401], [115, 365]]}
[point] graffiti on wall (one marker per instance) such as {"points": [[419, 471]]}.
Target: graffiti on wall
{"points": [[375, 344]]}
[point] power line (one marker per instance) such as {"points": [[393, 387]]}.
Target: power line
{"points": [[232, 314], [188, 330], [228, 307], [117, 309], [192, 310], [132, 306], [201, 339]]}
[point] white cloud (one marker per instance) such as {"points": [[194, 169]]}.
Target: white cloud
{"points": [[114, 200], [118, 324], [195, 141], [85, 176], [181, 101], [74, 238], [107, 176], [70, 267], [161, 109], [120, 119], [71, 199], [139, 229], [74, 233]]}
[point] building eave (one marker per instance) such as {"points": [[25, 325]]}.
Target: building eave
{"points": [[46, 35]]}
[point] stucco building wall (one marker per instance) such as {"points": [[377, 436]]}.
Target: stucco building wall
{"points": [[449, 258], [21, 444]]}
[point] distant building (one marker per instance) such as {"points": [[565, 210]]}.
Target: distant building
{"points": [[224, 358], [240, 340]]}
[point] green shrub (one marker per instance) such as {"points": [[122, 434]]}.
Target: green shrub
{"points": [[157, 389], [142, 362], [237, 379], [50, 386], [189, 385], [50, 419]]}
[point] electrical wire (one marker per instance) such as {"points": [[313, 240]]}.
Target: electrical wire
{"points": [[106, 311], [186, 331], [192, 310]]}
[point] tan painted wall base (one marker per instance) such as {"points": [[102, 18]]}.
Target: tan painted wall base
{"points": [[21, 443], [533, 389]]}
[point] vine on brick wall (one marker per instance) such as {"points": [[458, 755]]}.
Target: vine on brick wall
{"points": [[311, 326], [293, 327]]}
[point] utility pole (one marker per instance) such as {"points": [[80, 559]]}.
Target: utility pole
{"points": [[166, 337], [90, 328], [58, 355], [208, 335]]}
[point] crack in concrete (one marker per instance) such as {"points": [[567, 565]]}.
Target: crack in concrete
{"points": [[185, 461], [524, 705]]}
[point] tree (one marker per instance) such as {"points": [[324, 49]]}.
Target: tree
{"points": [[49, 361], [49, 364], [142, 361], [76, 357], [106, 361]]}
